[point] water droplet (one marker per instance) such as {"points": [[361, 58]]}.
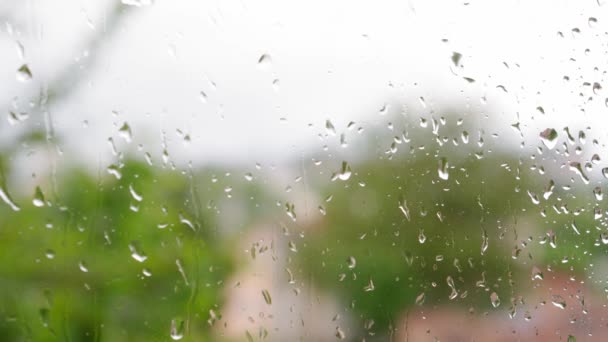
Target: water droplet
{"points": [[549, 137], [125, 132], [177, 329], [290, 211], [420, 299], [38, 200], [267, 297], [494, 299], [114, 171], [403, 207], [421, 236], [134, 194], [537, 274], [15, 118], [83, 267], [4, 195], [443, 169], [329, 127], [558, 301], [571, 338], [24, 73], [351, 262], [450, 282], [456, 57], [264, 62], [50, 254], [345, 172], [340, 333], [370, 286], [136, 251], [45, 317], [484, 241], [578, 169]]}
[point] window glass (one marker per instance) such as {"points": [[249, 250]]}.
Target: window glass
{"points": [[313, 171]]}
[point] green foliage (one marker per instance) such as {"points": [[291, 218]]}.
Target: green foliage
{"points": [[90, 222]]}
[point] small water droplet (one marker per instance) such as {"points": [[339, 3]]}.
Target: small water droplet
{"points": [[558, 301], [420, 299], [267, 297], [403, 207], [351, 262], [45, 317], [136, 251], [125, 132], [264, 62], [329, 127], [50, 254], [114, 171], [24, 73], [83, 267], [495, 300]]}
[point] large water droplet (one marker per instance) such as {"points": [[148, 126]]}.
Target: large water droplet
{"points": [[345, 172], [177, 329], [443, 169], [549, 137], [4, 195], [38, 200]]}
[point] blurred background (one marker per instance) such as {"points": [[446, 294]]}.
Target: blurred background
{"points": [[250, 171]]}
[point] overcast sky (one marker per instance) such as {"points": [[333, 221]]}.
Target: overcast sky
{"points": [[337, 60]]}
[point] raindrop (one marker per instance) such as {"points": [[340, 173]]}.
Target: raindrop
{"points": [[345, 172], [24, 73], [450, 282], [38, 200], [549, 137], [421, 236], [403, 207], [329, 127], [136, 252], [7, 199], [351, 262], [443, 169], [370, 286], [267, 297], [264, 62], [558, 301], [597, 192], [177, 329], [494, 299], [125, 132], [50, 254], [45, 317], [134, 194], [420, 299], [83, 267], [114, 171]]}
